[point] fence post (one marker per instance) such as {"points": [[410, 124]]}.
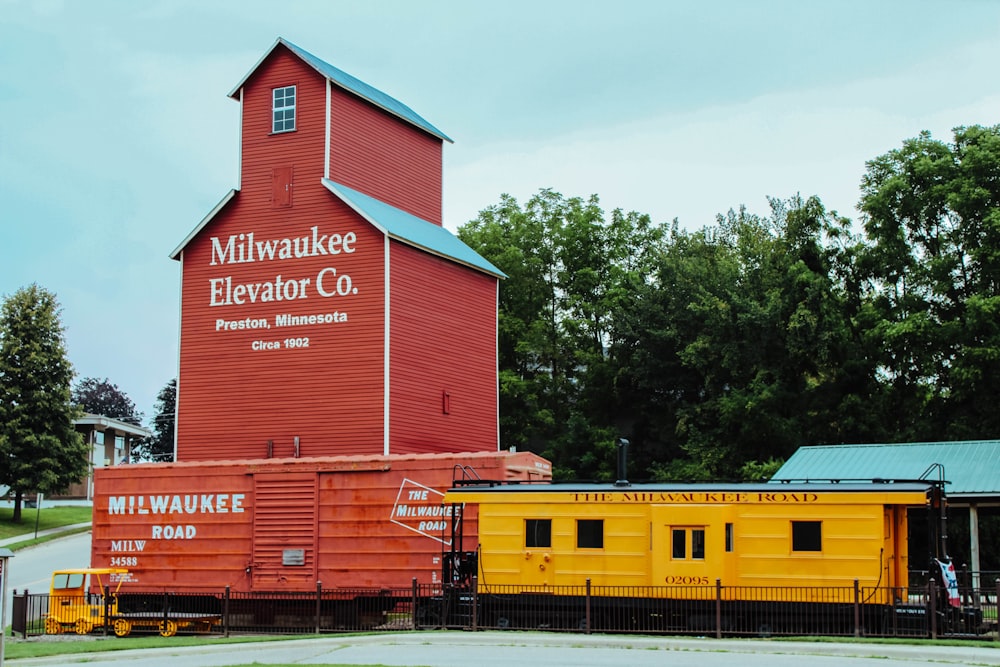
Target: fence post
{"points": [[166, 615], [413, 604], [475, 602], [107, 608], [15, 626], [586, 615], [718, 608], [996, 605], [319, 602], [225, 614], [932, 598], [857, 610]]}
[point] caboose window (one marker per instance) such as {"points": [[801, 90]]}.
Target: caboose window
{"points": [[590, 533], [729, 537], [538, 533], [807, 536], [283, 109], [679, 542], [679, 539], [698, 544]]}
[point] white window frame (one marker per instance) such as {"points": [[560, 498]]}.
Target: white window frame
{"points": [[281, 109]]}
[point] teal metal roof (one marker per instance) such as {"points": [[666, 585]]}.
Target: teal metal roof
{"points": [[971, 467], [410, 229], [353, 85]]}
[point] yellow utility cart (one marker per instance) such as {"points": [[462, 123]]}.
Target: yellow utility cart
{"points": [[73, 607]]}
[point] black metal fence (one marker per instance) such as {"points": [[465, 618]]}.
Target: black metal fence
{"points": [[849, 611]]}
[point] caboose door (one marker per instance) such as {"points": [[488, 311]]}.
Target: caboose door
{"points": [[284, 532], [692, 545]]}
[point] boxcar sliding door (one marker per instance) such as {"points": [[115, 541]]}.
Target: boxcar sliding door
{"points": [[284, 532]]}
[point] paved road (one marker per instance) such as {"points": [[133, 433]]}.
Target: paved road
{"points": [[501, 649], [32, 568]]}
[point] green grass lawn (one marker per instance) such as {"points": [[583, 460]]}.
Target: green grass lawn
{"points": [[15, 649], [48, 517]]}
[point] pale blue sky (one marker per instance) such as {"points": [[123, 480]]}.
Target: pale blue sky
{"points": [[117, 136]]}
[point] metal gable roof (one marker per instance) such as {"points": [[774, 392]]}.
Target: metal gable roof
{"points": [[351, 84], [971, 467], [410, 229]]}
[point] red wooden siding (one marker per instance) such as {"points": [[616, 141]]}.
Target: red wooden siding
{"points": [[263, 151], [443, 341], [376, 153], [323, 383]]}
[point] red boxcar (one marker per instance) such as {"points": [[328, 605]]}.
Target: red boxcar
{"points": [[282, 525]]}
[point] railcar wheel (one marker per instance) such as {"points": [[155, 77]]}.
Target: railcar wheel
{"points": [[52, 626], [168, 628], [764, 630], [503, 623], [83, 626], [122, 627]]}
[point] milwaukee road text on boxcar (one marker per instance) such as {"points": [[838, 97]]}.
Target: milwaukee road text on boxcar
{"points": [[193, 503]]}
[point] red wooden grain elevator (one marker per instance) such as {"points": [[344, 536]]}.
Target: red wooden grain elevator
{"points": [[325, 310], [338, 365]]}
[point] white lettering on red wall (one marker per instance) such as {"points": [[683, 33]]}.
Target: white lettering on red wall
{"points": [[204, 503], [246, 249]]}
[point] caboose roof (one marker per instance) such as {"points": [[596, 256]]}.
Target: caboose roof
{"points": [[969, 467], [342, 79], [826, 486]]}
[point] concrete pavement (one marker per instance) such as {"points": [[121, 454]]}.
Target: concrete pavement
{"points": [[499, 649]]}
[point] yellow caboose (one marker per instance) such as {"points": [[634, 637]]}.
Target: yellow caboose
{"points": [[763, 542], [766, 535]]}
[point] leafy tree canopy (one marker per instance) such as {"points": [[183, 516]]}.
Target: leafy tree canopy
{"points": [[101, 397], [931, 213], [40, 451], [570, 268], [160, 447]]}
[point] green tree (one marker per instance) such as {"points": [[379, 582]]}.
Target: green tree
{"points": [[160, 447], [931, 213], [101, 397], [39, 448], [569, 267], [743, 345]]}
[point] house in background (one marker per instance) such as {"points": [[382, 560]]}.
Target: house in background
{"points": [[110, 443], [325, 309]]}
